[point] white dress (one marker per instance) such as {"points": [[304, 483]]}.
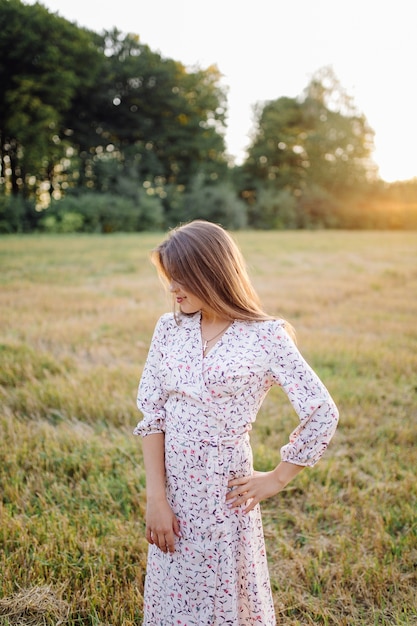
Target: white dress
{"points": [[218, 574]]}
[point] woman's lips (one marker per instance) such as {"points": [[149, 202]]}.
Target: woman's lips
{"points": [[179, 300]]}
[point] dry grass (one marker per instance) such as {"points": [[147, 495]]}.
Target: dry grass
{"points": [[76, 317], [35, 606]]}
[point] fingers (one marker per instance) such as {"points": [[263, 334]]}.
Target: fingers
{"points": [[241, 494], [162, 538], [176, 527], [162, 526], [247, 491], [164, 542], [239, 488], [235, 482], [250, 490], [243, 500], [250, 505]]}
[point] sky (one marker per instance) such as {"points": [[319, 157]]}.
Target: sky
{"points": [[266, 49]]}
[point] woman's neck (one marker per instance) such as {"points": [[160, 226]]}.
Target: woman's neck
{"points": [[210, 318]]}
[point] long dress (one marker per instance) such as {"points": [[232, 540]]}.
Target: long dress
{"points": [[218, 574]]}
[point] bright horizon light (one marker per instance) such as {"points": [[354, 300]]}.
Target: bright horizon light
{"points": [[271, 49]]}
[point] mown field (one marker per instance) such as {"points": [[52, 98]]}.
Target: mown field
{"points": [[76, 316]]}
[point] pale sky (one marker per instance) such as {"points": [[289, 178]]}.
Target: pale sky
{"points": [[266, 49]]}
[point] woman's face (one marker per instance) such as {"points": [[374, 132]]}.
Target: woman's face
{"points": [[188, 302]]}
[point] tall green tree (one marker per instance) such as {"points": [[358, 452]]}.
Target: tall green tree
{"points": [[44, 61], [78, 109], [315, 140], [158, 119], [339, 143], [275, 156]]}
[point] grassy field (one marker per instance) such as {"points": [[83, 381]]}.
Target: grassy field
{"points": [[76, 316]]}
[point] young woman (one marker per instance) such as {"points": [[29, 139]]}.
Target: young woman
{"points": [[209, 367]]}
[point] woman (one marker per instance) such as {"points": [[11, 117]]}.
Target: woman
{"points": [[209, 367]]}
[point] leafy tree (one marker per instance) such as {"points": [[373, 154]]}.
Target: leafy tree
{"points": [[316, 140], [158, 120], [78, 109], [339, 142], [44, 60], [275, 156]]}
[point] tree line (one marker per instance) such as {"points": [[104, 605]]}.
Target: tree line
{"points": [[99, 133]]}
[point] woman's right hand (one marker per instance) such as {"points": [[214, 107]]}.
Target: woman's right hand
{"points": [[161, 525]]}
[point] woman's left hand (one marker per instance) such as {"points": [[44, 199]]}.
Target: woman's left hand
{"points": [[250, 490]]}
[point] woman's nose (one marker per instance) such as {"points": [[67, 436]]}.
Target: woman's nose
{"points": [[173, 287]]}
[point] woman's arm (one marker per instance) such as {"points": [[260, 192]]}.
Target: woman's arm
{"points": [[318, 420], [161, 524]]}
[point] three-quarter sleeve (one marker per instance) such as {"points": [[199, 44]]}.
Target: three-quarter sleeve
{"points": [[309, 397], [152, 396]]}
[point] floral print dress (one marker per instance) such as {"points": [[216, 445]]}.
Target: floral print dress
{"points": [[218, 574]]}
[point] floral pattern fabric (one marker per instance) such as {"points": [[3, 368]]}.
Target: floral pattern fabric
{"points": [[218, 574]]}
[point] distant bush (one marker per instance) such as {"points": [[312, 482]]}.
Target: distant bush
{"points": [[318, 208], [102, 213], [273, 210], [67, 223], [18, 215], [215, 203]]}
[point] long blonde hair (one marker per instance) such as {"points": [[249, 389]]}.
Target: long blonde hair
{"points": [[204, 258]]}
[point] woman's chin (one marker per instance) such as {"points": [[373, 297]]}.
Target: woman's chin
{"points": [[187, 310]]}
